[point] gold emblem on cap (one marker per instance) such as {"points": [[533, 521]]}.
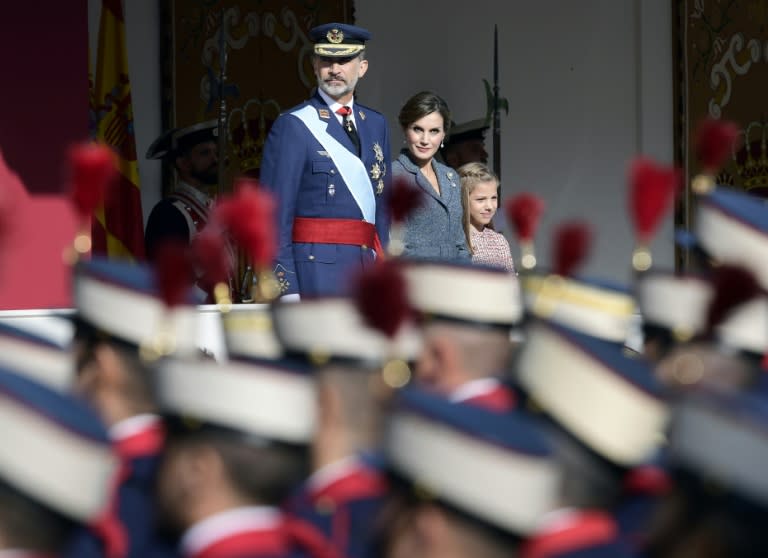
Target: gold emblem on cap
{"points": [[335, 36]]}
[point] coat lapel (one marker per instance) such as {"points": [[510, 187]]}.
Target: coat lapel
{"points": [[447, 188], [421, 180], [334, 128]]}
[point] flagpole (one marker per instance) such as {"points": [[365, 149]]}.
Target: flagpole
{"points": [[496, 115], [222, 120]]}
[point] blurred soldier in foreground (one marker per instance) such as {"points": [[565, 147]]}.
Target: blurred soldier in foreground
{"points": [[606, 418], [719, 506], [468, 482], [345, 492], [238, 444], [120, 318], [57, 470], [467, 314]]}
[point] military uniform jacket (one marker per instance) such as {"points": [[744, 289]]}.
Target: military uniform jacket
{"points": [[139, 452], [254, 532], [433, 231], [307, 183], [487, 393], [345, 504], [180, 216]]}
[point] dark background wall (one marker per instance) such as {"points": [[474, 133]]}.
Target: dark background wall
{"points": [[44, 92]]}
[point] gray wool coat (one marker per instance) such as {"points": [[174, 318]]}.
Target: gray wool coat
{"points": [[433, 231]]}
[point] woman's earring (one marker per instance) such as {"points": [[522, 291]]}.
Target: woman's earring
{"points": [[442, 144]]}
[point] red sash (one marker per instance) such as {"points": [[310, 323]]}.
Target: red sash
{"points": [[337, 231]]}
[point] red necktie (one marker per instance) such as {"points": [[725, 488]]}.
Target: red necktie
{"points": [[349, 126]]}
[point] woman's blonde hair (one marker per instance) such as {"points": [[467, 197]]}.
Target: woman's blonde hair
{"points": [[471, 175]]}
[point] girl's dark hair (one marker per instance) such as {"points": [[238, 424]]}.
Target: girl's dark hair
{"points": [[422, 104]]}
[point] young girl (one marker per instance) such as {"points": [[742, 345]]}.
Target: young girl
{"points": [[479, 188]]}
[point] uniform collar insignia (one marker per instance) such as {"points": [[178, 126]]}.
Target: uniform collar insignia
{"points": [[362, 114], [323, 113]]}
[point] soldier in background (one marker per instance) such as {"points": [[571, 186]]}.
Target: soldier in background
{"points": [[466, 144], [193, 152]]}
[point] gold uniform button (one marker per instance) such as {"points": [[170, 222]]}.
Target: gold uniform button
{"points": [[311, 257], [364, 247]]}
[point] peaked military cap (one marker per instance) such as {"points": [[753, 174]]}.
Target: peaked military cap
{"points": [[599, 308], [339, 40], [675, 303], [612, 403], [55, 449], [178, 140], [732, 228], [326, 328], [721, 437], [498, 468], [122, 300], [474, 129], [260, 400], [489, 296], [45, 355]]}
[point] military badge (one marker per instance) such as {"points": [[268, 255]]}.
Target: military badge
{"points": [[331, 190], [362, 114], [378, 169], [282, 278], [335, 36], [323, 113]]}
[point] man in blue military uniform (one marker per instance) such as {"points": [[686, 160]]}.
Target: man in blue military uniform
{"points": [[327, 161]]}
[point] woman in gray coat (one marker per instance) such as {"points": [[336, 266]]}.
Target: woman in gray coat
{"points": [[434, 230]]}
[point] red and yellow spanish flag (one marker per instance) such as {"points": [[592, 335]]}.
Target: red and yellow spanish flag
{"points": [[118, 228]]}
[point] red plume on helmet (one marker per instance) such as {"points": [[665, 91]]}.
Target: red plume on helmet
{"points": [[93, 168], [715, 140], [248, 215], [571, 245], [524, 212], [403, 200], [381, 296], [211, 256], [174, 272], [652, 189]]}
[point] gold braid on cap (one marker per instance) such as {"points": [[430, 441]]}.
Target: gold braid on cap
{"points": [[325, 49]]}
